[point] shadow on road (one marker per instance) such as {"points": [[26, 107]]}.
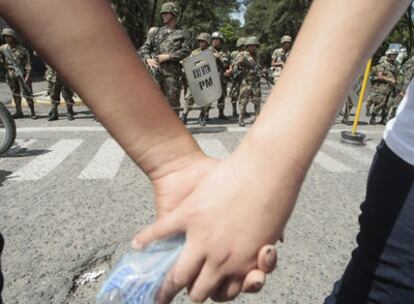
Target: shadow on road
{"points": [[23, 152], [204, 130], [3, 176]]}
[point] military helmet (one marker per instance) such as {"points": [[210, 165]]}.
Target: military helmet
{"points": [[217, 35], [8, 32], [204, 37], [241, 42], [169, 7], [285, 39], [391, 52], [252, 41]]}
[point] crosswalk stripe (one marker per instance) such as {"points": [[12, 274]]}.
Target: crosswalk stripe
{"points": [[331, 164], [43, 164], [356, 153], [20, 145], [106, 163], [213, 148]]}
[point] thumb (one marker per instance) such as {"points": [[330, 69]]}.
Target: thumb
{"points": [[173, 224]]}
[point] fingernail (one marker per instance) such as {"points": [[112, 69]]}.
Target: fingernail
{"points": [[258, 285], [270, 257]]}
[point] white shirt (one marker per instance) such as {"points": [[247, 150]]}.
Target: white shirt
{"points": [[399, 133]]}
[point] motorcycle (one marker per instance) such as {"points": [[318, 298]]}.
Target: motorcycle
{"points": [[7, 129]]}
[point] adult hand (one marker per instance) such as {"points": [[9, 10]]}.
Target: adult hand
{"points": [[225, 230], [178, 181], [153, 63]]}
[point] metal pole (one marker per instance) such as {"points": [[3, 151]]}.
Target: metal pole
{"points": [[362, 96]]}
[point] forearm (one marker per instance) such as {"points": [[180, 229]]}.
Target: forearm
{"points": [[87, 46], [331, 49]]}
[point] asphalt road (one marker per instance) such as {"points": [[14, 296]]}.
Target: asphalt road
{"points": [[71, 201]]}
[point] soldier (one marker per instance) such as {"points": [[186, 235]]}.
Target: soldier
{"points": [[237, 74], [280, 56], [224, 69], [250, 88], [19, 85], [204, 41], [163, 51], [384, 84], [58, 88], [405, 75]]}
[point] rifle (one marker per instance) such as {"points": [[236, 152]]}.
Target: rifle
{"points": [[267, 77], [17, 70]]}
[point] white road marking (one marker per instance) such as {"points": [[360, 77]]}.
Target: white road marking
{"points": [[213, 148], [102, 129], [106, 163], [43, 164], [356, 153], [331, 164]]}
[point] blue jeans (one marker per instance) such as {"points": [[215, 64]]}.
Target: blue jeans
{"points": [[381, 269]]}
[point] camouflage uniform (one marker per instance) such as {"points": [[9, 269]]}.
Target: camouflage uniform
{"points": [[237, 76], [59, 87], [250, 88], [404, 79], [223, 64], [381, 91], [280, 57], [50, 77], [176, 43], [22, 58]]}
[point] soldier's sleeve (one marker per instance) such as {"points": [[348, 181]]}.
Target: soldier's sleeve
{"points": [[184, 50], [226, 60], [275, 55], [147, 48], [408, 74], [27, 62]]}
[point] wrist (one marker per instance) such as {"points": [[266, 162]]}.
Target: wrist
{"points": [[168, 156]]}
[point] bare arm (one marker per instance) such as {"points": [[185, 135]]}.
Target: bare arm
{"points": [[95, 56]]}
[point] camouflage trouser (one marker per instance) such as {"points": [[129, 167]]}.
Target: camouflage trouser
{"points": [[348, 107], [189, 103], [393, 106], [378, 102], [17, 89], [59, 87], [235, 91], [170, 84], [251, 93], [277, 72], [222, 100]]}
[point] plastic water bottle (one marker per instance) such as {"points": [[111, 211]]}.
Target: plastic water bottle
{"points": [[138, 276]]}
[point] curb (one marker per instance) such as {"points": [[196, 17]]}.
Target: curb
{"points": [[40, 98]]}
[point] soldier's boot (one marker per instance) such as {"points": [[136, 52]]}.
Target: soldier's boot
{"points": [[257, 112], [383, 120], [202, 119], [184, 118], [32, 110], [234, 110], [221, 115], [53, 113], [19, 112], [241, 120], [373, 120], [69, 114]]}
